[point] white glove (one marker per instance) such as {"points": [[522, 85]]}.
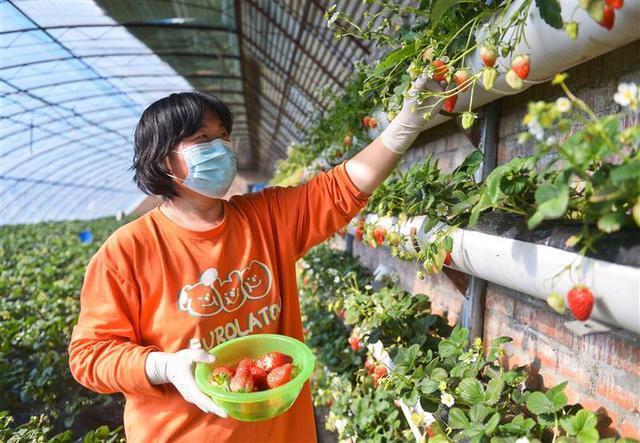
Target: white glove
{"points": [[410, 121], [177, 369]]}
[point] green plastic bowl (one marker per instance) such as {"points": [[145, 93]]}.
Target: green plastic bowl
{"points": [[261, 405]]}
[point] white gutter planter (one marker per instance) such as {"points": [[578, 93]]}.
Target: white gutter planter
{"points": [[536, 269], [551, 50]]}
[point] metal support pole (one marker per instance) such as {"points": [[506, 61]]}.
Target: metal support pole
{"points": [[348, 248], [474, 303]]}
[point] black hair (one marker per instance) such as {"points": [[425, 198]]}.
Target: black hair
{"points": [[164, 124]]}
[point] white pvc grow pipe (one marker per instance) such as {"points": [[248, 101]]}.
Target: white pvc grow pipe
{"points": [[551, 51], [536, 270]]}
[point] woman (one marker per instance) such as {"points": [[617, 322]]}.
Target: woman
{"points": [[198, 270]]}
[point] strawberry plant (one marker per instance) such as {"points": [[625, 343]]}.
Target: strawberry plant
{"points": [[593, 177], [460, 392], [41, 272], [437, 36], [336, 135]]}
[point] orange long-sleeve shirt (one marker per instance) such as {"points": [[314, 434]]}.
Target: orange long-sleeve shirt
{"points": [[154, 285]]}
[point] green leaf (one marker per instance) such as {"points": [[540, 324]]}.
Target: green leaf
{"points": [[492, 182], [492, 424], [475, 433], [550, 12], [538, 403], [446, 348], [478, 413], [625, 171], [500, 341], [448, 243], [552, 203], [585, 420], [351, 317], [439, 374], [394, 58], [518, 426], [458, 419], [513, 184], [494, 390], [611, 222], [471, 390], [428, 386], [588, 436], [558, 399], [440, 7]]}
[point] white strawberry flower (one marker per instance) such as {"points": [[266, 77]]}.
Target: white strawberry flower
{"points": [[522, 440], [563, 104], [627, 95], [442, 210], [341, 424], [447, 399]]}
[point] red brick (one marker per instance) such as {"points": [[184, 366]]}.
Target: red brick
{"points": [[497, 302], [544, 321], [545, 355], [576, 369], [621, 391], [577, 395], [630, 427], [619, 352]]}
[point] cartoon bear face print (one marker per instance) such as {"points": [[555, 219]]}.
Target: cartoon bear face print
{"points": [[256, 280], [199, 300], [230, 292]]}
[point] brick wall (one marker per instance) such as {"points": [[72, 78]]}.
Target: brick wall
{"points": [[603, 370]]}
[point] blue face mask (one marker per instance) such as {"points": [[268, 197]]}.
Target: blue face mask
{"points": [[212, 167]]}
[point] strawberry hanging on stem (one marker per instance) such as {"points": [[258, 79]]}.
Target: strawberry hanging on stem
{"points": [[580, 299]]}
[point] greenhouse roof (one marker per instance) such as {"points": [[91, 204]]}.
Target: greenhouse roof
{"points": [[76, 75]]}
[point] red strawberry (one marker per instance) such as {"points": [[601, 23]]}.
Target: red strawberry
{"points": [[272, 360], [369, 365], [379, 233], [608, 17], [378, 373], [221, 376], [365, 121], [348, 140], [279, 376], [521, 65], [440, 70], [354, 342], [359, 233], [462, 78], [615, 4], [373, 122], [430, 432], [450, 103], [246, 363], [488, 55], [342, 314], [259, 377], [447, 258], [580, 301], [242, 381]]}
